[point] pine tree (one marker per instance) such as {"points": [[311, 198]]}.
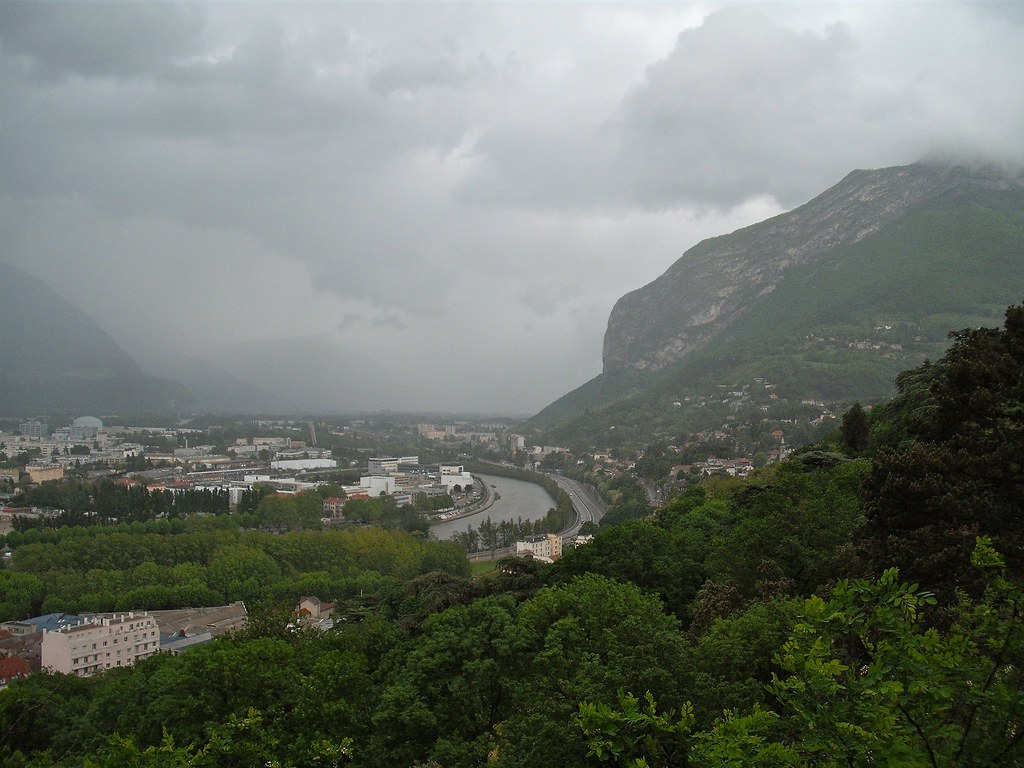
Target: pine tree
{"points": [[854, 429]]}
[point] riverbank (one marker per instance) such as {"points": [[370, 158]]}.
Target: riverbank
{"points": [[486, 501], [509, 501]]}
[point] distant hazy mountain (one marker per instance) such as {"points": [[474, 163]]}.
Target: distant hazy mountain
{"points": [[55, 357], [214, 389], [830, 300]]}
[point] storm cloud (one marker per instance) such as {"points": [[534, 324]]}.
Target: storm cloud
{"points": [[434, 206]]}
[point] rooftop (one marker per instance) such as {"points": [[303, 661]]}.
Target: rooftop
{"points": [[218, 620]]}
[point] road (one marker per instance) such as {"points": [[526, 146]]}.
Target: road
{"points": [[653, 493], [588, 505]]}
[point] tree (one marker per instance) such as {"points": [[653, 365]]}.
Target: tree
{"points": [[444, 701], [309, 510], [729, 665], [329, 490], [643, 554], [636, 735], [864, 674], [863, 680], [240, 572], [583, 641], [238, 741], [950, 466], [854, 430]]}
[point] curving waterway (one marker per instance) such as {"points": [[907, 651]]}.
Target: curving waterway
{"points": [[517, 499]]}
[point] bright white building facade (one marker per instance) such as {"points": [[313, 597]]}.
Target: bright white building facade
{"points": [[304, 464], [453, 478], [378, 484]]}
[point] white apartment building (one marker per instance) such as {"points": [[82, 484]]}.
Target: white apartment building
{"points": [[99, 643], [548, 546]]}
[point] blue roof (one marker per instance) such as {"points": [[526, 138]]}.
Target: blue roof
{"points": [[51, 622]]}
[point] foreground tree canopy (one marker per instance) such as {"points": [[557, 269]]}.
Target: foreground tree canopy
{"points": [[950, 464]]}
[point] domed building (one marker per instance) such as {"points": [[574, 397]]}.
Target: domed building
{"points": [[85, 428]]}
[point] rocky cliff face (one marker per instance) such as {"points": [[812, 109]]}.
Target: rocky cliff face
{"points": [[721, 279]]}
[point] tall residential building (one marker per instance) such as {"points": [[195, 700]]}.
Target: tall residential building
{"points": [[99, 643], [34, 428]]}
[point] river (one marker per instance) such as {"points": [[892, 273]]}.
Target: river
{"points": [[517, 498]]}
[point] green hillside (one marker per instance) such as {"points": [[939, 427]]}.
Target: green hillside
{"points": [[836, 329]]}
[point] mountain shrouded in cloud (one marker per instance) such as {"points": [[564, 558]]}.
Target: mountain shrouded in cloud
{"points": [[55, 357], [369, 179]]}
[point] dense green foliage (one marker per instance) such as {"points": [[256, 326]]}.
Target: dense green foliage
{"points": [[785, 531], [950, 464], [862, 681], [628, 500], [747, 622], [175, 564]]}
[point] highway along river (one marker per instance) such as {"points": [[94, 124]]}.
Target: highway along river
{"points": [[516, 498]]}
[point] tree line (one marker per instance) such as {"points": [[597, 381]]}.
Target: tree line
{"points": [[187, 564], [104, 501]]}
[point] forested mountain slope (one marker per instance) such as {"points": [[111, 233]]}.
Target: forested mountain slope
{"points": [[828, 301]]}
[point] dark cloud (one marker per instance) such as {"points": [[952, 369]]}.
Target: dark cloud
{"points": [[99, 39], [747, 105], [360, 180], [740, 105]]}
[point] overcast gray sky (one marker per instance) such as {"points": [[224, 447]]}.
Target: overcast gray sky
{"points": [[435, 205]]}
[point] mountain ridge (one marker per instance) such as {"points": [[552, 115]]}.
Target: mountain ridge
{"points": [[857, 207], [922, 250]]}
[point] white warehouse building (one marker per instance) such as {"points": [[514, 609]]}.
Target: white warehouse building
{"points": [[304, 464], [378, 484], [454, 478]]}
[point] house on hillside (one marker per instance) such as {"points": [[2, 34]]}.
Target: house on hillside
{"points": [[312, 612], [11, 668]]}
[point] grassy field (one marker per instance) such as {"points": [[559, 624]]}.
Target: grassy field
{"points": [[482, 568]]}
